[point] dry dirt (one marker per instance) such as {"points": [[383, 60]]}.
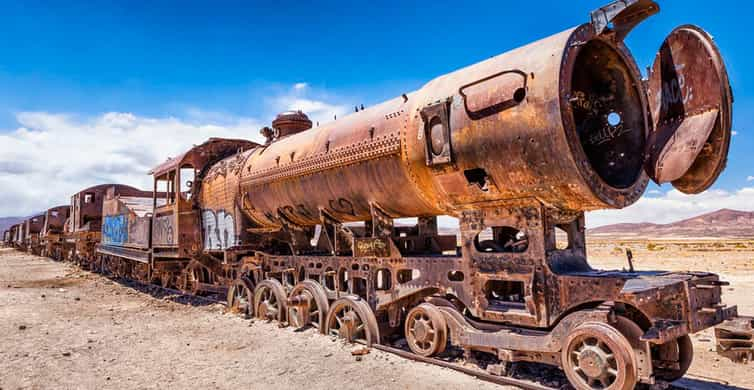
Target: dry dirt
{"points": [[61, 328], [733, 260], [83, 331]]}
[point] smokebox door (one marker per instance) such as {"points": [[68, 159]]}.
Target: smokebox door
{"points": [[690, 101]]}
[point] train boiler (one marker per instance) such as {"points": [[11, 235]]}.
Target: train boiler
{"points": [[517, 147]]}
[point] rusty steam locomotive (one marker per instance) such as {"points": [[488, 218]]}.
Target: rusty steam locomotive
{"points": [[301, 229]]}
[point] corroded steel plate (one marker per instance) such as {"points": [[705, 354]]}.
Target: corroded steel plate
{"points": [[690, 101]]}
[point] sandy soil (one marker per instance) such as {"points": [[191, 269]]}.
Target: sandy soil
{"points": [[61, 328], [732, 260]]}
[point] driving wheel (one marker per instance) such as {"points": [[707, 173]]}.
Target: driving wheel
{"points": [[426, 330], [350, 318], [597, 356], [270, 301]]}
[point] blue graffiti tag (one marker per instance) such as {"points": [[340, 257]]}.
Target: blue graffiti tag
{"points": [[115, 229]]}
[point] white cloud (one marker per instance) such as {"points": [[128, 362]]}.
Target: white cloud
{"points": [[674, 206], [318, 107], [51, 156], [750, 178]]}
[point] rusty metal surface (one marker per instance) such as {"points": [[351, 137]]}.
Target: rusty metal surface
{"points": [[690, 99], [303, 230], [735, 339], [52, 234]]}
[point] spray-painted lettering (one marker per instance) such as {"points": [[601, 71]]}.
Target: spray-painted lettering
{"points": [[115, 229], [219, 230]]}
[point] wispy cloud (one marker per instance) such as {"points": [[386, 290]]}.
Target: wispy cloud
{"points": [[318, 106], [674, 206], [50, 156], [750, 178]]}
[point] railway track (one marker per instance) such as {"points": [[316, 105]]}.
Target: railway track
{"points": [[528, 384]]}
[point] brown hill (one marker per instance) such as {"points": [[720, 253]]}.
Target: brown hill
{"points": [[723, 223], [7, 222]]}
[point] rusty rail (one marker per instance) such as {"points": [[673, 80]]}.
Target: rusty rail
{"points": [[500, 380]]}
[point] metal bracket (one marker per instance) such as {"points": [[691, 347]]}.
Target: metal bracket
{"points": [[339, 237], [298, 235], [437, 133]]}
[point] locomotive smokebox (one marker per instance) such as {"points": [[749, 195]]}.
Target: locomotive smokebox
{"points": [[566, 120]]}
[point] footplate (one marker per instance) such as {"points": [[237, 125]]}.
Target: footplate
{"points": [[735, 339]]}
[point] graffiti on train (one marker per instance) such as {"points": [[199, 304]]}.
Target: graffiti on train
{"points": [[163, 232], [115, 229], [219, 230]]}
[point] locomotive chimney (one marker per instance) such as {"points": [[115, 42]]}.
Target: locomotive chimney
{"points": [[291, 122]]}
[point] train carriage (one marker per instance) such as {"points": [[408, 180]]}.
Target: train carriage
{"points": [[12, 231], [33, 226], [125, 249], [84, 230], [20, 237], [6, 236], [51, 235], [181, 224]]}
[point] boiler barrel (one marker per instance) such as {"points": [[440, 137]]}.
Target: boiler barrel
{"points": [[529, 123]]}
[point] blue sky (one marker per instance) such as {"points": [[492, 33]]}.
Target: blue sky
{"points": [[235, 63]]}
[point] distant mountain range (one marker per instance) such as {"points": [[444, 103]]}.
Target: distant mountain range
{"points": [[723, 223], [7, 222]]}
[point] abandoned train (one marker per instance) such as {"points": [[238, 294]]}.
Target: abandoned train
{"points": [[301, 229]]}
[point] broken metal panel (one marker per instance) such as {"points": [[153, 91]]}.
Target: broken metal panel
{"points": [[735, 339], [691, 104], [620, 17]]}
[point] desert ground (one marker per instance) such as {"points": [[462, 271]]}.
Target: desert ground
{"points": [[63, 328], [733, 260]]}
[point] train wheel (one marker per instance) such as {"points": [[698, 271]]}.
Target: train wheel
{"points": [[141, 272], [120, 268], [597, 356], [270, 301], [350, 318], [672, 359], [167, 279], [110, 267], [191, 279], [307, 305], [240, 297], [426, 330]]}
